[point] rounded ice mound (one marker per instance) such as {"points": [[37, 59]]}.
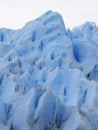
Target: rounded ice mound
{"points": [[49, 76], [85, 31]]}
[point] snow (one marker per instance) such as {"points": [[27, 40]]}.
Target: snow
{"points": [[49, 76]]}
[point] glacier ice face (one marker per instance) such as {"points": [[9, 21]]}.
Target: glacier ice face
{"points": [[49, 76]]}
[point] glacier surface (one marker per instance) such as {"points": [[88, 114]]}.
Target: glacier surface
{"points": [[49, 76]]}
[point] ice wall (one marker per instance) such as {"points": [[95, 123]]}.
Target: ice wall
{"points": [[49, 76]]}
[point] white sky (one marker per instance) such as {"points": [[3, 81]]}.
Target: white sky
{"points": [[15, 13]]}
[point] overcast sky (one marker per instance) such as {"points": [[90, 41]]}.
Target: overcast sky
{"points": [[15, 13]]}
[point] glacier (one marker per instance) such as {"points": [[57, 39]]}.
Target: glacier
{"points": [[49, 76]]}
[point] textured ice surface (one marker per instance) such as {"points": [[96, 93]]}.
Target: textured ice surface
{"points": [[49, 76]]}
